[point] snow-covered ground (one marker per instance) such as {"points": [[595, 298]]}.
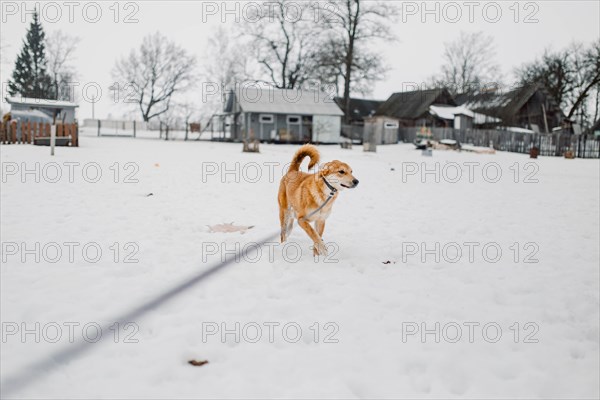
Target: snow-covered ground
{"points": [[528, 318]]}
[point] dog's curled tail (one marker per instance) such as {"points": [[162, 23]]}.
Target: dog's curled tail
{"points": [[304, 151]]}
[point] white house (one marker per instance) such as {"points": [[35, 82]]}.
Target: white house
{"points": [[280, 115]]}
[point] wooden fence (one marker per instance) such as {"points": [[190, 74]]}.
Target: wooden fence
{"points": [[549, 144], [12, 132]]}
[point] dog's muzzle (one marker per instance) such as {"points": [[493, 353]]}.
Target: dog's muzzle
{"points": [[354, 184]]}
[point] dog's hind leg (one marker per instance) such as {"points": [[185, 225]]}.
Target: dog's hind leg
{"points": [[288, 224], [289, 219], [286, 218]]}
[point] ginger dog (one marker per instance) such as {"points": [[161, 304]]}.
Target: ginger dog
{"points": [[310, 197]]}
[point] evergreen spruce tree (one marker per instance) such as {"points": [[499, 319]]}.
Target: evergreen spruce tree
{"points": [[29, 78]]}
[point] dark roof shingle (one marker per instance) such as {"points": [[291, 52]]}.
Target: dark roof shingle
{"points": [[499, 104], [413, 105], [360, 108]]}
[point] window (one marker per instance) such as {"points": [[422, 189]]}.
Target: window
{"points": [[391, 125], [293, 119], [265, 118]]}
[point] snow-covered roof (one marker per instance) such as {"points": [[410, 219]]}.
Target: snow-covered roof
{"points": [[29, 101], [286, 101], [450, 112], [480, 119], [30, 115], [445, 112]]}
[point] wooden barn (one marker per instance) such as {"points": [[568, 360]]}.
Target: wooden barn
{"points": [[280, 115], [529, 107], [412, 109]]}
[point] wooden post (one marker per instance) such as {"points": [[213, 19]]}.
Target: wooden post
{"points": [[186, 129], [52, 138], [75, 135], [13, 132], [99, 124], [134, 128], [25, 131], [167, 132]]}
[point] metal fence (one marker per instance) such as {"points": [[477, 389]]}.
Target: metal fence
{"points": [[107, 127], [150, 130], [549, 144]]}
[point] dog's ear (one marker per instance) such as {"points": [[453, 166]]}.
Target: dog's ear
{"points": [[324, 169]]}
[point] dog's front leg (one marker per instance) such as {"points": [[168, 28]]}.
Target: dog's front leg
{"points": [[320, 225], [319, 245]]}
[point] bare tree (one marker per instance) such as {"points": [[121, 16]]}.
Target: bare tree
{"points": [[367, 67], [586, 65], [349, 26], [597, 105], [553, 71], [468, 64], [60, 50], [152, 74], [285, 42], [571, 76], [228, 64]]}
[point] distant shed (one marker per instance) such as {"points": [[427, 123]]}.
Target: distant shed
{"points": [[56, 110], [381, 130]]}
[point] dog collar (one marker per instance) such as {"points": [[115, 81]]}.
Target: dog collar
{"points": [[333, 190]]}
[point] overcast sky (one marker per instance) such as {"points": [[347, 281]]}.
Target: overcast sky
{"points": [[519, 36]]}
